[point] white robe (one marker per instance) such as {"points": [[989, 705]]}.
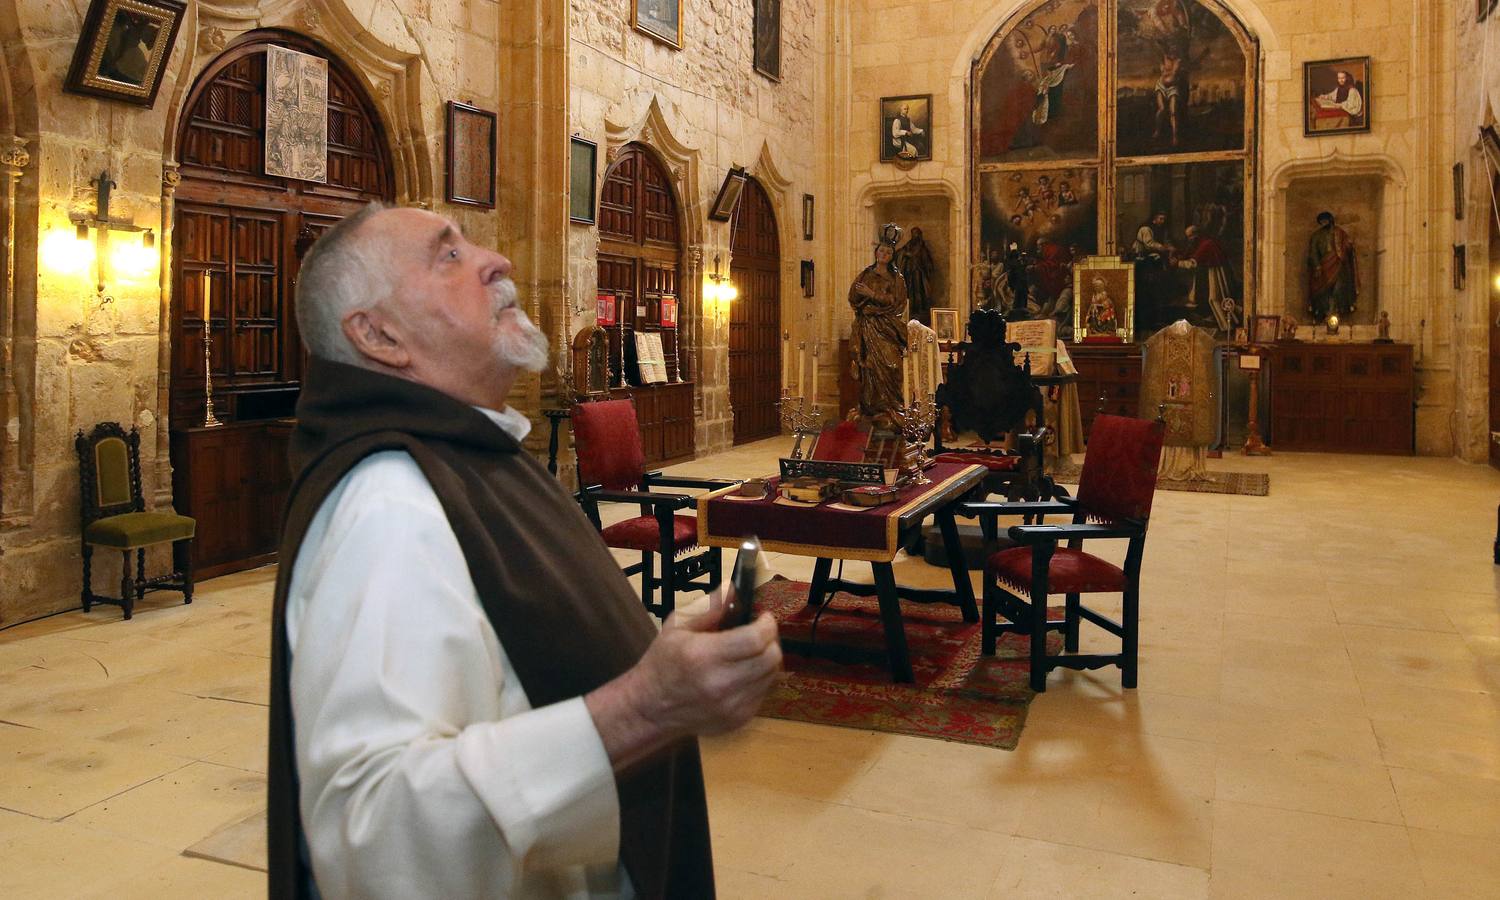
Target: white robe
{"points": [[424, 770]]}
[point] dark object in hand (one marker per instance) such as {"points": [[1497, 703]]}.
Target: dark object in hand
{"points": [[746, 572]]}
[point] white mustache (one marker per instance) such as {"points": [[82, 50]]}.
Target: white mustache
{"points": [[504, 295]]}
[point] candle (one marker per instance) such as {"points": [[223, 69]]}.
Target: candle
{"points": [[786, 358], [905, 381], [814, 397], [207, 298], [801, 367]]}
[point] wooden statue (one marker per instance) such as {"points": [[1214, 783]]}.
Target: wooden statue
{"points": [[878, 341]]}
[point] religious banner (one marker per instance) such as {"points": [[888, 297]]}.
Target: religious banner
{"points": [[296, 115]]}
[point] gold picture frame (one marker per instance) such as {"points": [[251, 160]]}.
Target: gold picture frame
{"points": [[123, 49], [1099, 284]]}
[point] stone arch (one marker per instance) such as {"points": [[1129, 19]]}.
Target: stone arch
{"points": [[911, 189]]}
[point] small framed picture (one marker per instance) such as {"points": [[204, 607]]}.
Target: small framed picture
{"points": [[807, 278], [906, 128], [582, 183], [1266, 329], [1336, 96], [669, 312], [606, 313], [807, 217], [1458, 191], [768, 38], [123, 49], [1460, 266], [1104, 300], [471, 155], [729, 195], [945, 324], [661, 19]]}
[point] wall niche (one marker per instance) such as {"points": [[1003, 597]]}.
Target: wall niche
{"points": [[933, 215], [1357, 202]]}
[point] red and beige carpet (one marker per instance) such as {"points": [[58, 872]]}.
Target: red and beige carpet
{"points": [[959, 695]]}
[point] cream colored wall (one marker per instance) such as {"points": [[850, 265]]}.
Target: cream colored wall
{"points": [[704, 109], [898, 47], [74, 358]]}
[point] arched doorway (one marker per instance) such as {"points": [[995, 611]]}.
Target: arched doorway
{"points": [[640, 261], [755, 320], [238, 237]]}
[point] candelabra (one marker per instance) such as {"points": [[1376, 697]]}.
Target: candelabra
{"points": [[620, 330], [798, 419], [209, 419], [917, 422]]}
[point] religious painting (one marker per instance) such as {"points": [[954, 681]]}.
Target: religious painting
{"points": [[606, 312], [906, 128], [296, 115], [945, 324], [123, 50], [1038, 89], [805, 278], [807, 217], [1105, 310], [1183, 229], [768, 38], [471, 155], [1033, 225], [728, 196], [1336, 96], [1267, 329], [1181, 85], [661, 19], [582, 164], [669, 312]]}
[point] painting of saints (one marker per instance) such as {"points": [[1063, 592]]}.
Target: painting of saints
{"points": [[1181, 80], [1038, 96], [1101, 316]]}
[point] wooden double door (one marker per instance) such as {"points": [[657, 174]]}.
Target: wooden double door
{"points": [[755, 319]]}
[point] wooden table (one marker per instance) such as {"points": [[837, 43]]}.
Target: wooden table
{"points": [[832, 531]]}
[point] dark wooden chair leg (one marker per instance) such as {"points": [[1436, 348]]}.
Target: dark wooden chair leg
{"points": [[648, 583], [1041, 562], [668, 576], [127, 601], [140, 570], [88, 577], [987, 629], [1070, 626], [817, 591], [1131, 620], [182, 562]]}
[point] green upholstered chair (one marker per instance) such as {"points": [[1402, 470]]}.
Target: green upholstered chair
{"points": [[115, 518]]}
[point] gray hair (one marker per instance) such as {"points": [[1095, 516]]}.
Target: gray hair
{"points": [[340, 274]]}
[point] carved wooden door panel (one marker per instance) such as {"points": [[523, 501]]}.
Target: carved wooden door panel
{"points": [[755, 319]]}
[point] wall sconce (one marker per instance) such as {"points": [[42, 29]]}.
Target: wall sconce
{"points": [[719, 291], [128, 260]]}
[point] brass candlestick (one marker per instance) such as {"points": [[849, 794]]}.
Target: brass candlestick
{"points": [[917, 422], [798, 419], [209, 419]]}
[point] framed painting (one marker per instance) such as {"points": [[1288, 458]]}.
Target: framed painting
{"points": [[1266, 330], [1036, 96], [1336, 96], [729, 195], [669, 312], [471, 155], [807, 217], [661, 19], [1458, 191], [945, 324], [582, 184], [906, 128], [296, 115], [605, 316], [806, 278], [768, 38], [123, 49], [1104, 307]]}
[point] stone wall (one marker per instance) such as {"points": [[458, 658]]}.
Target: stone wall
{"points": [[75, 356], [703, 108], [895, 47]]}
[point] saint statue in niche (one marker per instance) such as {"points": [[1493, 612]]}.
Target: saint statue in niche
{"points": [[914, 261], [1332, 281], [878, 297]]}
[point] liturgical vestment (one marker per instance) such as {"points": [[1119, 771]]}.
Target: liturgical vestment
{"points": [[436, 667]]}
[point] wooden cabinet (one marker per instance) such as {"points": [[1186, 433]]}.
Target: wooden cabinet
{"points": [[234, 480], [1347, 398], [664, 413], [1110, 371]]}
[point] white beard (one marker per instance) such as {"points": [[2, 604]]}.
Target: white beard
{"points": [[519, 342]]}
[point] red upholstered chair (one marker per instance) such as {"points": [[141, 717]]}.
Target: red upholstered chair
{"points": [[1114, 501], [611, 469]]}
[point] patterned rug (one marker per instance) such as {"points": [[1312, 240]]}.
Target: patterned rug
{"points": [[959, 695], [1248, 484]]}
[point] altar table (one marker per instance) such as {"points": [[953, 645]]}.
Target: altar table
{"points": [[832, 531]]}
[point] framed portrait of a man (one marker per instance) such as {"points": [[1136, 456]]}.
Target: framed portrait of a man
{"points": [[1336, 96], [1103, 300], [123, 49], [768, 38], [945, 324], [661, 19], [906, 128]]}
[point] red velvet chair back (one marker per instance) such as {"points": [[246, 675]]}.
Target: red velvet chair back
{"points": [[1119, 470], [608, 441]]}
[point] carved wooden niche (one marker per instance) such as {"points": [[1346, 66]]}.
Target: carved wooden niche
{"points": [[591, 362]]}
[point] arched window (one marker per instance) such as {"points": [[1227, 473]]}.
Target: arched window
{"points": [[1162, 176]]}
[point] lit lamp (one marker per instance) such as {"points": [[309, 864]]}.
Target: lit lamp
{"points": [[128, 259], [719, 291]]}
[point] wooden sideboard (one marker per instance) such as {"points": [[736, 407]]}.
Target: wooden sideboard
{"points": [[664, 413], [234, 480], [1345, 398], [1112, 371]]}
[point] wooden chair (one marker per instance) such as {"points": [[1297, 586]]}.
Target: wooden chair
{"points": [[611, 469], [1115, 492], [115, 518]]}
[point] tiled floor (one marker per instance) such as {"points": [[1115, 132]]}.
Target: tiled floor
{"points": [[1318, 716]]}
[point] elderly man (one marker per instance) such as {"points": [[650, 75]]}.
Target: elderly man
{"points": [[467, 699]]}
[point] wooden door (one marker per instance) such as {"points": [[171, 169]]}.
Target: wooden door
{"points": [[755, 318], [1494, 318]]}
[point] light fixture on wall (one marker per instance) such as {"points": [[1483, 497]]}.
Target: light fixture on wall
{"points": [[719, 290], [129, 260]]}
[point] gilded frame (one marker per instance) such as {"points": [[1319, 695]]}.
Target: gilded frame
{"points": [[94, 59], [1112, 269]]}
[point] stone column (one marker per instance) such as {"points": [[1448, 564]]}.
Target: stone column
{"points": [[15, 482], [161, 497]]}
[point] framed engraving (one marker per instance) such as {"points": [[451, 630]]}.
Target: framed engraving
{"points": [[605, 315], [471, 155], [582, 184], [660, 19], [296, 115], [729, 195], [123, 49]]}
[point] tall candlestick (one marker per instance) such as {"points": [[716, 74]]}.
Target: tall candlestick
{"points": [[786, 361], [802, 368], [813, 399], [905, 380], [209, 419]]}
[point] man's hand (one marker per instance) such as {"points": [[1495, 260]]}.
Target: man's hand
{"points": [[692, 680]]}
